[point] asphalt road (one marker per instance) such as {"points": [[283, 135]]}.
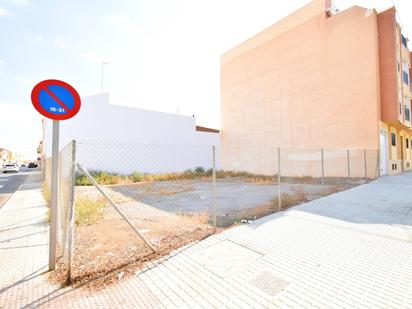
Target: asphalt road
{"points": [[10, 182]]}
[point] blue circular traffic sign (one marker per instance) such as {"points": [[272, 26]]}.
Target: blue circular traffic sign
{"points": [[55, 99]]}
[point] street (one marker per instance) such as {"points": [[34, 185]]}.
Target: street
{"points": [[10, 182]]}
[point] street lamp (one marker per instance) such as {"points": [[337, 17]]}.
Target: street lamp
{"points": [[101, 89]]}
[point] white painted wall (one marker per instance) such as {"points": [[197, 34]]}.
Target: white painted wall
{"points": [[125, 139]]}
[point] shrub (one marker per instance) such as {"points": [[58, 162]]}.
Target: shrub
{"points": [[136, 177], [199, 170], [82, 180], [105, 178], [88, 211]]}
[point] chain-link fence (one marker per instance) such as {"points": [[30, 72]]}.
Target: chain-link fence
{"points": [[67, 157], [164, 191], [253, 184], [171, 195], [65, 214]]}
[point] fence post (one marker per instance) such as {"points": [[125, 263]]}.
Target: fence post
{"points": [[348, 159], [279, 183], [71, 213], [323, 168], [214, 186], [364, 160]]}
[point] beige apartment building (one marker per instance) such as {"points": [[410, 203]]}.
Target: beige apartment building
{"points": [[319, 79]]}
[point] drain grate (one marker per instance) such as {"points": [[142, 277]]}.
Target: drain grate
{"points": [[269, 283]]}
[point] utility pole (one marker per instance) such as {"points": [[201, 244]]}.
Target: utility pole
{"points": [[101, 88]]}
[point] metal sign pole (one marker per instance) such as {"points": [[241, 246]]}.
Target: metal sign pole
{"points": [[54, 195]]}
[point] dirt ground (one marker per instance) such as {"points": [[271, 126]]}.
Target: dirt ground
{"points": [[171, 215], [237, 198], [110, 250]]}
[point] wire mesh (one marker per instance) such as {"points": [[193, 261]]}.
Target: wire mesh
{"points": [[246, 185], [65, 198], [257, 182], [164, 190], [168, 193], [66, 185]]}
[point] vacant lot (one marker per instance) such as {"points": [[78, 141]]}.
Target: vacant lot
{"points": [[171, 214], [237, 198]]}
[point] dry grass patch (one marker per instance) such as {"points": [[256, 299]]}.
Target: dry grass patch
{"points": [[109, 250], [46, 193], [335, 189], [199, 219], [88, 211], [297, 196], [47, 198]]}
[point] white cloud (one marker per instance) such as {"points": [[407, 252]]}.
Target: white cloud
{"points": [[117, 19], [5, 12], [2, 62]]}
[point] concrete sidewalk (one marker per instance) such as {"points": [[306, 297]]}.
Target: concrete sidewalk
{"points": [[24, 234], [349, 250]]}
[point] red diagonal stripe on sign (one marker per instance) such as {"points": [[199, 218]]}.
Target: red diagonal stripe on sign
{"points": [[50, 93]]}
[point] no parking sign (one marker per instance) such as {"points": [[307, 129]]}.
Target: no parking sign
{"points": [[55, 100]]}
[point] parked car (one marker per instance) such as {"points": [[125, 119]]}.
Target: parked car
{"points": [[10, 167], [32, 165]]}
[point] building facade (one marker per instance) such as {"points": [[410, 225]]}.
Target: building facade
{"points": [[318, 79], [125, 139], [5, 156]]}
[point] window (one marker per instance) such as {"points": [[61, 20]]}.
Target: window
{"points": [[393, 135], [407, 114], [404, 41], [407, 143], [405, 77]]}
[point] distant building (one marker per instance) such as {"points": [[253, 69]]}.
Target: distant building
{"points": [[5, 156], [126, 139], [319, 78], [10, 156]]}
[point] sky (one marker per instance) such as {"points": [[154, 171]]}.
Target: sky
{"points": [[161, 55]]}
